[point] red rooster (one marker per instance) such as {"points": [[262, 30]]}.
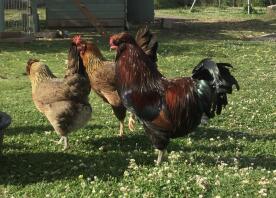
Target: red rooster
{"points": [[168, 108]]}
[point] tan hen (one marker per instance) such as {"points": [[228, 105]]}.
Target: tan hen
{"points": [[64, 102]]}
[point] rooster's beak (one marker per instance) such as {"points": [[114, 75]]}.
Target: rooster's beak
{"points": [[113, 47]]}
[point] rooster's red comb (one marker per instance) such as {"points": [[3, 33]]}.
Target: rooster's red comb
{"points": [[77, 39]]}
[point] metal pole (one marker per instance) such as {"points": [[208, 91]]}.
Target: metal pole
{"points": [[2, 16], [248, 6], [192, 6]]}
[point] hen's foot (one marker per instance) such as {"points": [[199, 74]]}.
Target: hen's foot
{"points": [[63, 140]]}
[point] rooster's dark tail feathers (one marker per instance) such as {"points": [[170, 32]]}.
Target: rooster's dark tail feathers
{"points": [[148, 42], [214, 82]]}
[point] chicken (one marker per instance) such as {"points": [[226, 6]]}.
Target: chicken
{"points": [[64, 102], [102, 73], [168, 108]]}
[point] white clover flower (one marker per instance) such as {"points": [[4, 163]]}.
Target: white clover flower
{"points": [[201, 182], [263, 192], [189, 141], [263, 181], [83, 184], [170, 175], [245, 181], [101, 191], [217, 183], [123, 189], [47, 132], [126, 173], [82, 165], [101, 148]]}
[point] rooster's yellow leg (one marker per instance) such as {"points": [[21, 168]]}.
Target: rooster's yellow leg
{"points": [[160, 157]]}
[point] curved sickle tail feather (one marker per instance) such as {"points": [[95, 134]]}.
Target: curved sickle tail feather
{"points": [[147, 42], [214, 82]]}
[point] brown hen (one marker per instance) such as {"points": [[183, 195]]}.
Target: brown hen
{"points": [[102, 79], [64, 102]]}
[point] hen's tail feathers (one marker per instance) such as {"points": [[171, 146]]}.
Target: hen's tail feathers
{"points": [[148, 42], [75, 64], [214, 83]]}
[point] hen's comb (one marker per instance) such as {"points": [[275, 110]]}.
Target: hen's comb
{"points": [[77, 39]]}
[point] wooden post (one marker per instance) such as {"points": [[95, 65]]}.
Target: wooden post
{"points": [[34, 15], [2, 16]]}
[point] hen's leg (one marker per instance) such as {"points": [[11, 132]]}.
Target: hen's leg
{"points": [[121, 132], [65, 139], [120, 113], [160, 157], [60, 140], [131, 122]]}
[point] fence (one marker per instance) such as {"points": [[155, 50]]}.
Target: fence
{"points": [[18, 16]]}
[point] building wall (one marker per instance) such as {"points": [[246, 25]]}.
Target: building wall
{"points": [[65, 13], [140, 11]]}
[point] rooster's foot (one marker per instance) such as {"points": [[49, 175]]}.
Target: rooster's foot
{"points": [[160, 157], [131, 122]]}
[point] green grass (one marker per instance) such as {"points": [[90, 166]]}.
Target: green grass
{"points": [[213, 13], [234, 155]]}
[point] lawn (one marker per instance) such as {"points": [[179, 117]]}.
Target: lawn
{"points": [[234, 155], [213, 13]]}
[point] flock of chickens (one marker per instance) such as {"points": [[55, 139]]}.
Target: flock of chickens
{"points": [[167, 108]]}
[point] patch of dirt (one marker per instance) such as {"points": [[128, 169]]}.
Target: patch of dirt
{"points": [[266, 37]]}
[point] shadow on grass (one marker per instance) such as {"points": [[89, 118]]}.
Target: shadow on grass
{"points": [[41, 47], [41, 129], [28, 168], [186, 30], [113, 157], [194, 29]]}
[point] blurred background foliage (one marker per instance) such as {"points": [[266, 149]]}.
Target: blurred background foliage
{"points": [[158, 4]]}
